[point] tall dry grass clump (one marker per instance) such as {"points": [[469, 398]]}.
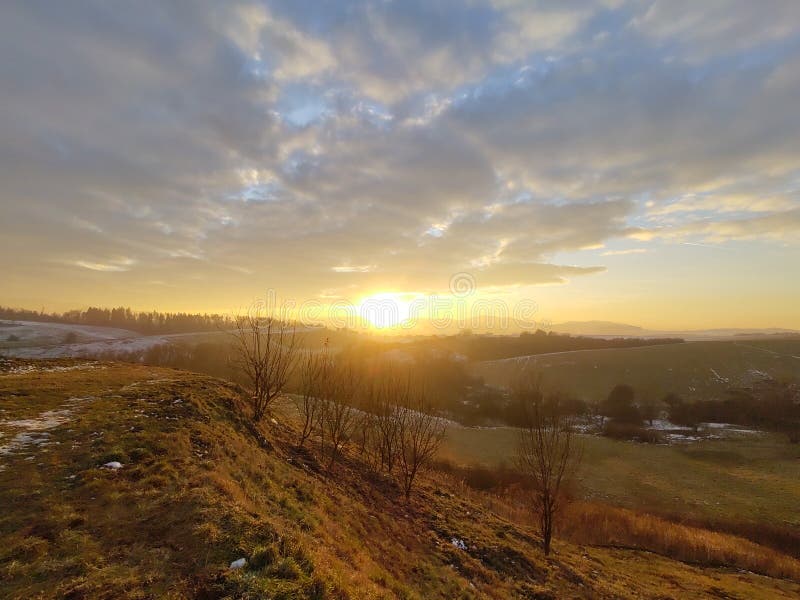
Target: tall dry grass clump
{"points": [[602, 525]]}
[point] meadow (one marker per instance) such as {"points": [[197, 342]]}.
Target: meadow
{"points": [[695, 370], [755, 477]]}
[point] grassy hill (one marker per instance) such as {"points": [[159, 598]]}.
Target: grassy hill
{"points": [[197, 489], [700, 370]]}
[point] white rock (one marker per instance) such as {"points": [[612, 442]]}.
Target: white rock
{"points": [[238, 564], [113, 465]]}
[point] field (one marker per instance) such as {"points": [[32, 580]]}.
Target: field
{"points": [[696, 370], [736, 484], [197, 490], [31, 339]]}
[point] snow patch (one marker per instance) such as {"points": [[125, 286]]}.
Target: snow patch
{"points": [[458, 543], [664, 425], [35, 431], [23, 369]]}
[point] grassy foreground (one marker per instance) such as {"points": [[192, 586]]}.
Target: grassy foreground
{"points": [[197, 490]]}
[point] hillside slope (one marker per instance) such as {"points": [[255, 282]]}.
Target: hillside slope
{"points": [[693, 369], [198, 490]]}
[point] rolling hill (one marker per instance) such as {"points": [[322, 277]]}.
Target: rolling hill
{"points": [[125, 481], [696, 370]]}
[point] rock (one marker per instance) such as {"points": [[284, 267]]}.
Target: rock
{"points": [[238, 564], [114, 465]]}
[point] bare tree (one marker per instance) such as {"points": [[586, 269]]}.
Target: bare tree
{"points": [[365, 428], [419, 435], [266, 352], [337, 416], [315, 369], [385, 397], [548, 454]]}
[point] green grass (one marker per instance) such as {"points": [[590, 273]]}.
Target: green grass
{"points": [[654, 371]]}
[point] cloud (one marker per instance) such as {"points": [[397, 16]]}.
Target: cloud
{"points": [[353, 268], [342, 146], [782, 227], [112, 266], [516, 274], [723, 203], [624, 252], [715, 27]]}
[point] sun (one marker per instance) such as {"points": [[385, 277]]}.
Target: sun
{"points": [[386, 310]]}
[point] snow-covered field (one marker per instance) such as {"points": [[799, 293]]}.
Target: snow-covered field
{"points": [[28, 339], [31, 333]]}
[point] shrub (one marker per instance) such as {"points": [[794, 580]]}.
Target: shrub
{"points": [[619, 405], [629, 431], [480, 477]]}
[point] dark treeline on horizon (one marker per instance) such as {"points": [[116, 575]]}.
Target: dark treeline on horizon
{"points": [[152, 322], [479, 347]]}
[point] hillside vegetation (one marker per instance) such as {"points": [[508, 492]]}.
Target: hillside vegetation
{"points": [[197, 490]]}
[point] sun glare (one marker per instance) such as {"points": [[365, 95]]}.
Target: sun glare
{"points": [[385, 310]]}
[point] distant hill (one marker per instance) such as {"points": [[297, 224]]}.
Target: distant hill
{"points": [[610, 329], [597, 328], [478, 347], [699, 370]]}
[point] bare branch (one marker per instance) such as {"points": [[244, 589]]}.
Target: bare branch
{"points": [[548, 453], [266, 353], [419, 433]]}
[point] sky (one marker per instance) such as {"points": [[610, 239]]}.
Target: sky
{"points": [[631, 161]]}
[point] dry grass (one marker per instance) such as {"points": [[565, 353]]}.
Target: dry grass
{"points": [[602, 525], [597, 524], [197, 491]]}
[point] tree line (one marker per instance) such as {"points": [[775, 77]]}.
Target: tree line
{"points": [[488, 347], [772, 405], [151, 323]]}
